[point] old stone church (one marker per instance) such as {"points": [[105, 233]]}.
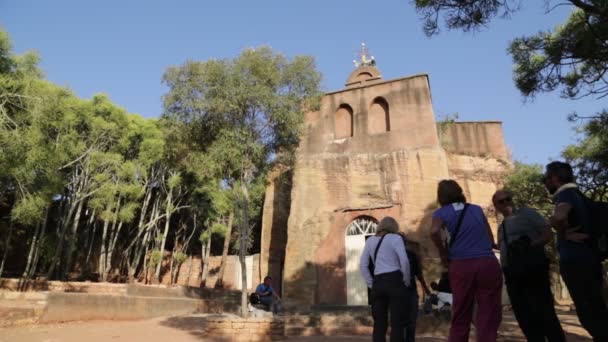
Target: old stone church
{"points": [[373, 149]]}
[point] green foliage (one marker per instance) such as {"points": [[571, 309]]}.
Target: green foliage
{"points": [[29, 210], [462, 15], [180, 257], [589, 157], [155, 257], [443, 125], [526, 183], [87, 164], [573, 56], [243, 110], [204, 237], [219, 229]]}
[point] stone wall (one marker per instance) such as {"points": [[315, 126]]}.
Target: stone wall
{"points": [[190, 272], [479, 177], [237, 329], [478, 139], [277, 205], [338, 190]]}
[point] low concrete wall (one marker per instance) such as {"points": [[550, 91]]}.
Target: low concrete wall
{"points": [[63, 307], [60, 286], [211, 300]]}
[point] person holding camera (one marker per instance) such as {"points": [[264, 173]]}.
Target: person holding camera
{"points": [[522, 236]]}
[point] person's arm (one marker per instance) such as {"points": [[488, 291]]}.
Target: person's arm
{"points": [[436, 226], [489, 230], [559, 221], [274, 293], [420, 277], [403, 259], [541, 226], [258, 290], [545, 236], [364, 267]]}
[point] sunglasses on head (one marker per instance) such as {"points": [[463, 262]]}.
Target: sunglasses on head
{"points": [[504, 200]]}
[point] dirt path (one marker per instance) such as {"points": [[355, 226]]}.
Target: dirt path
{"points": [[158, 330]]}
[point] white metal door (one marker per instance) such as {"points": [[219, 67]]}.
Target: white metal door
{"points": [[356, 289]]}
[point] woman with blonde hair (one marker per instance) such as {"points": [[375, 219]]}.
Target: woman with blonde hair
{"points": [[386, 269], [475, 275]]}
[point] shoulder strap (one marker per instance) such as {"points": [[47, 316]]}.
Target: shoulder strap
{"points": [[377, 248], [455, 235], [504, 231]]}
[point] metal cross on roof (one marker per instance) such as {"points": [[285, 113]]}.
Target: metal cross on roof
{"points": [[365, 57]]}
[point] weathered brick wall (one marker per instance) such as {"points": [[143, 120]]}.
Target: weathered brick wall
{"points": [[237, 329]]}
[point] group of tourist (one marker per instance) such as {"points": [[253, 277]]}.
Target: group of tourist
{"points": [[466, 246]]}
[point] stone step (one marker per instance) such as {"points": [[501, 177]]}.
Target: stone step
{"points": [[23, 296], [328, 319], [12, 315], [291, 330]]}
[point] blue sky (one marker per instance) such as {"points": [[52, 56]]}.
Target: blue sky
{"points": [[122, 48]]}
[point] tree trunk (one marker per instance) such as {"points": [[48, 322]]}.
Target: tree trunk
{"points": [[7, 243], [243, 248], [205, 252], [139, 248], [112, 247], [219, 283], [73, 238], [174, 268], [90, 249], [190, 270], [59, 250], [41, 235], [30, 254], [164, 237], [101, 267]]}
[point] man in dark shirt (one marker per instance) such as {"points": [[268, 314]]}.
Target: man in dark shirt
{"points": [[580, 264]]}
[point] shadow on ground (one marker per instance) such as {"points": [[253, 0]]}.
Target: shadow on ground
{"points": [[194, 325], [509, 330]]}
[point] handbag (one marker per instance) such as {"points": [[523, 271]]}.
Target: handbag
{"points": [[523, 258]]}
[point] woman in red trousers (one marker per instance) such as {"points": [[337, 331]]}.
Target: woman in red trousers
{"points": [[475, 274]]}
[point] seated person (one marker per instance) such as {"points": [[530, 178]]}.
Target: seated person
{"points": [[268, 296], [441, 298]]}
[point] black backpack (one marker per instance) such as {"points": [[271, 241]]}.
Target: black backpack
{"points": [[598, 212], [254, 298]]}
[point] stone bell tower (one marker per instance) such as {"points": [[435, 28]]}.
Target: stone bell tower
{"points": [[372, 150]]}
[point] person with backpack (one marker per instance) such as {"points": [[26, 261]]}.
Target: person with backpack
{"points": [[474, 272], [578, 228], [385, 267], [522, 237], [267, 295]]}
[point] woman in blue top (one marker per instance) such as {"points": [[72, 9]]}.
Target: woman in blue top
{"points": [[475, 275]]}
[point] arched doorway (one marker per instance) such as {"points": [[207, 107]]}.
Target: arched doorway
{"points": [[356, 234]]}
